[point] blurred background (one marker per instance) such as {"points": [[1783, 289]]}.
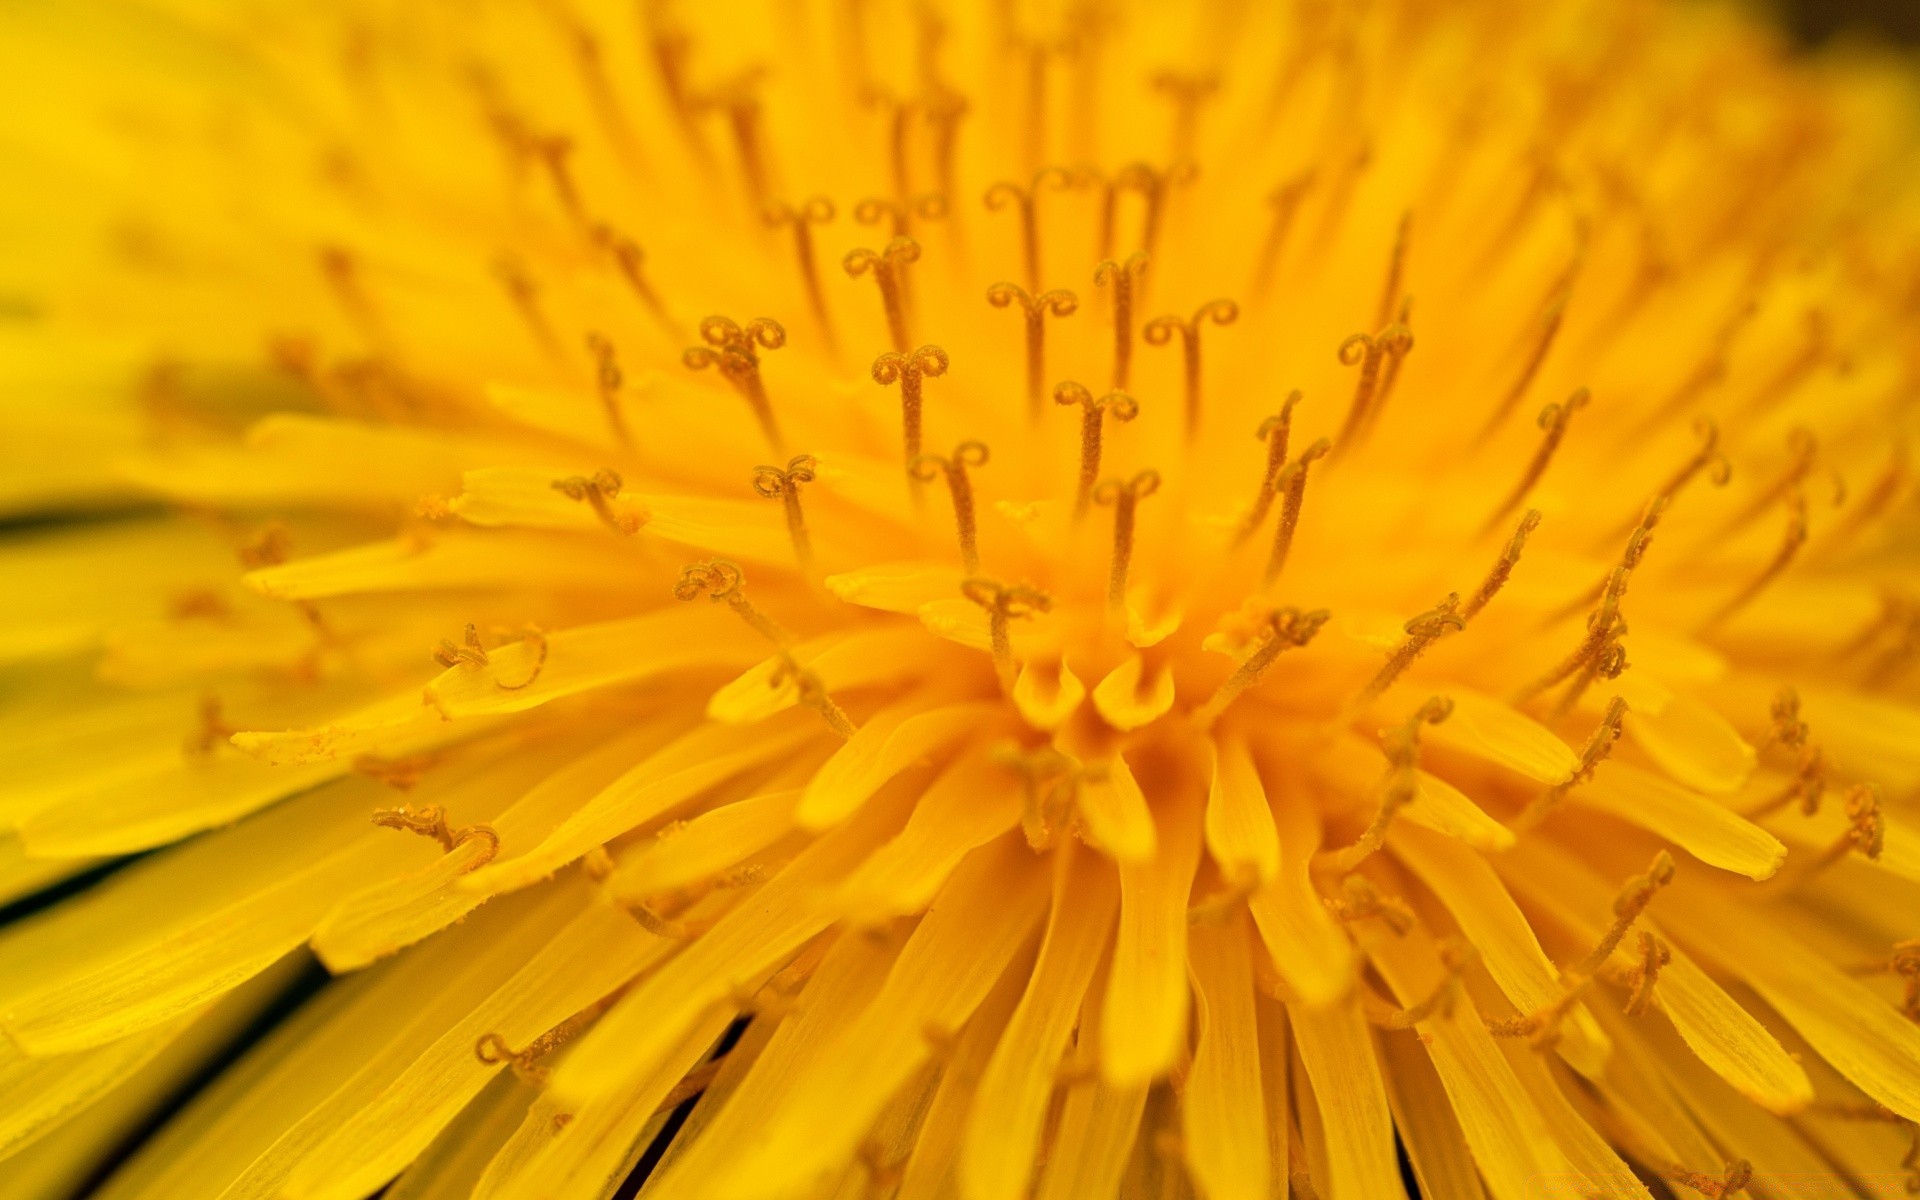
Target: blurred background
{"points": [[1819, 21]]}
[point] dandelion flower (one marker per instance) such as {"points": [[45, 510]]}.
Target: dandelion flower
{"points": [[976, 600]]}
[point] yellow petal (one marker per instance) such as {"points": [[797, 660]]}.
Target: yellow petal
{"points": [[1496, 928], [1047, 704], [1115, 813], [1423, 1116], [1863, 1035], [1707, 830], [1493, 730], [1144, 1020], [1224, 1123], [1336, 1047], [523, 675], [1125, 703], [669, 777], [460, 971], [1694, 744], [37, 1094], [1308, 949], [980, 920], [1874, 736], [688, 851], [748, 941], [1506, 1134], [1239, 828], [974, 801], [841, 661], [1009, 1108], [848, 978], [1728, 1039], [1098, 1123], [885, 746], [1595, 1168], [897, 587], [446, 561]]}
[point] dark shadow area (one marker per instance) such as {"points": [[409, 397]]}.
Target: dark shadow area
{"points": [[1814, 22]]}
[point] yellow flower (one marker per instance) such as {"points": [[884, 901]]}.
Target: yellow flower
{"points": [[982, 600]]}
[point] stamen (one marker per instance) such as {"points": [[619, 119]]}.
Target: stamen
{"points": [[1003, 604], [630, 259], [1041, 807], [1286, 628], [1396, 269], [1438, 1003], [1790, 543], [738, 102], [1739, 1173], [1632, 900], [492, 1048], [1422, 631], [270, 547], [1186, 93], [472, 653], [1550, 322], [431, 821], [691, 1086], [1360, 901], [811, 693], [960, 488], [590, 59], [400, 774], [1275, 431], [900, 214], [889, 267], [1106, 207], [1553, 419], [1152, 185], [1604, 625], [1599, 745], [536, 635], [1816, 351], [525, 295], [908, 370], [214, 730], [720, 580], [1401, 744], [943, 108], [1120, 277], [1803, 450], [1398, 339], [735, 352], [600, 492], [783, 484], [1036, 110], [1285, 202], [1707, 458], [1291, 482], [1124, 496], [1026, 200], [607, 375], [1160, 331], [1503, 569], [818, 210], [342, 272], [552, 153], [1654, 954], [1542, 1027], [1093, 412], [1058, 303], [1370, 352], [1872, 1111]]}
